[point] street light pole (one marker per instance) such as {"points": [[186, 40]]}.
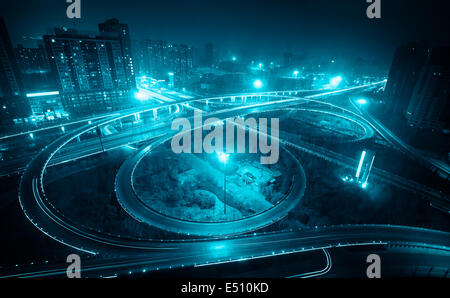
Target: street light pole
{"points": [[223, 158], [225, 188], [99, 133]]}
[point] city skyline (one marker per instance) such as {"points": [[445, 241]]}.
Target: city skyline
{"points": [[247, 27], [119, 64], [236, 139]]}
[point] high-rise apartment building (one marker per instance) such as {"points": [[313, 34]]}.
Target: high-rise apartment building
{"points": [[403, 75], [429, 107], [90, 71], [160, 58], [113, 28], [13, 104], [31, 60], [418, 86]]}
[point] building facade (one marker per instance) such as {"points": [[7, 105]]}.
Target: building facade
{"points": [[209, 54], [180, 62], [113, 28], [418, 86], [31, 60], [10, 82], [13, 103], [429, 107], [404, 73], [154, 58], [159, 59], [91, 72]]}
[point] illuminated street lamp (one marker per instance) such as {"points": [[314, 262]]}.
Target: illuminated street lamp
{"points": [[99, 133], [223, 158], [141, 96], [361, 101], [334, 82], [171, 79], [295, 73], [234, 58], [257, 84]]}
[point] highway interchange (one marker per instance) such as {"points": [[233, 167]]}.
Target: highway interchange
{"points": [[157, 254]]}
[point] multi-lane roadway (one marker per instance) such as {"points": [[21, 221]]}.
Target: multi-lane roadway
{"points": [[154, 254]]}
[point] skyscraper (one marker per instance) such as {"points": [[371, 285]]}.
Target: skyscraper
{"points": [[404, 73], [209, 54], [31, 60], [12, 102], [418, 86], [161, 58], [154, 56], [180, 61], [91, 72], [10, 83], [288, 59], [429, 107], [113, 28]]}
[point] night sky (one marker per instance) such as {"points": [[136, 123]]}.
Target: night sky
{"points": [[263, 27]]}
